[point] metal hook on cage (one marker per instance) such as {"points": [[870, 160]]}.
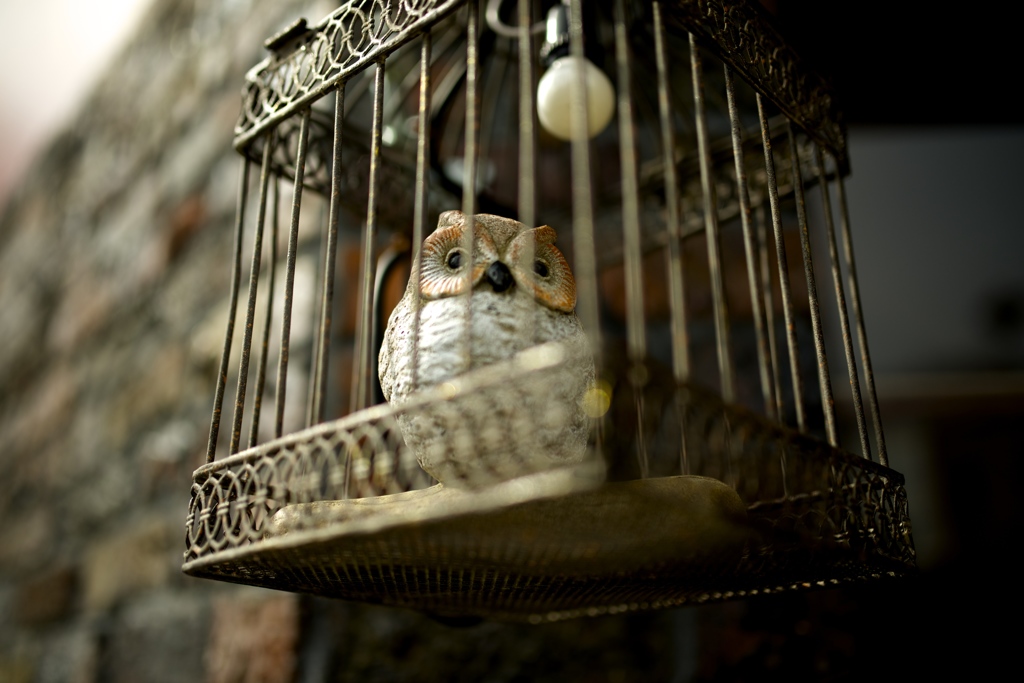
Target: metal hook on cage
{"points": [[493, 17]]}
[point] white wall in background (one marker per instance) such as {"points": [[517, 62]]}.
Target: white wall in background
{"points": [[52, 52]]}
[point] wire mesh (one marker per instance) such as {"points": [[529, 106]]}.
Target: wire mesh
{"points": [[701, 474]]}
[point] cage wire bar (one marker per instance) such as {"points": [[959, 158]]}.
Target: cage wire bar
{"points": [[869, 377], [698, 494], [754, 281], [783, 266], [526, 198], [713, 238], [674, 252], [636, 338], [420, 211], [250, 313], [824, 379], [469, 161], [261, 373], [844, 319]]}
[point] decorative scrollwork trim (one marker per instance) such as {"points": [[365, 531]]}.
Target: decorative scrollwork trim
{"points": [[310, 63], [742, 34]]}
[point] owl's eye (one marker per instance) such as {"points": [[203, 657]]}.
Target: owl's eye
{"points": [[540, 268], [454, 259]]}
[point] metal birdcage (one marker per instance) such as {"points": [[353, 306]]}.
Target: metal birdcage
{"points": [[714, 467]]}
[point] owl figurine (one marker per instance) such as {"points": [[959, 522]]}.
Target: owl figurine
{"points": [[522, 294]]}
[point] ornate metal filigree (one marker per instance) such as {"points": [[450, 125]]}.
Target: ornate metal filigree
{"points": [[741, 34], [342, 510], [313, 61]]}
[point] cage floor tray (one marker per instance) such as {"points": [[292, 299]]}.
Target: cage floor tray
{"points": [[504, 551], [781, 511]]}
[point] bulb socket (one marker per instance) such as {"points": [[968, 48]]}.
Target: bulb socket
{"points": [[556, 35]]}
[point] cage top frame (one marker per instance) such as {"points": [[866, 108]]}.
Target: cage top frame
{"points": [[308, 62]]}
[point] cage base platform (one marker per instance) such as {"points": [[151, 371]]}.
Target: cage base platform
{"points": [[625, 546]]}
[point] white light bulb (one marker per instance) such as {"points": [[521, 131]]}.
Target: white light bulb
{"points": [[554, 97]]}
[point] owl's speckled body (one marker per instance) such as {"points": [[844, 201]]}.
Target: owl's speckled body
{"points": [[523, 294]]}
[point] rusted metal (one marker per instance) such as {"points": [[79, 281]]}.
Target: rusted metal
{"points": [[236, 275], [869, 375], [250, 309], [584, 247], [683, 496], [636, 333], [527, 116], [268, 317], [289, 278], [420, 210], [824, 378], [364, 349], [674, 247], [330, 255], [721, 307], [526, 200], [783, 266], [844, 316], [750, 250], [471, 138], [769, 306], [566, 550]]}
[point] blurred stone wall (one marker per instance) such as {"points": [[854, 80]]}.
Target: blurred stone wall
{"points": [[112, 306], [114, 274]]}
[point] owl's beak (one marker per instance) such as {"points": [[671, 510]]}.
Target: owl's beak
{"points": [[499, 276]]}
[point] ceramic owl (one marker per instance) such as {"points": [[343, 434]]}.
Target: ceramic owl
{"points": [[522, 294]]}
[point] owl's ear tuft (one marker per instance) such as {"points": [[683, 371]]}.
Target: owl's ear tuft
{"points": [[449, 218], [545, 234]]}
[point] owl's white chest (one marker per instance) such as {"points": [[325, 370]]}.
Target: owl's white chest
{"points": [[499, 324], [528, 426]]}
